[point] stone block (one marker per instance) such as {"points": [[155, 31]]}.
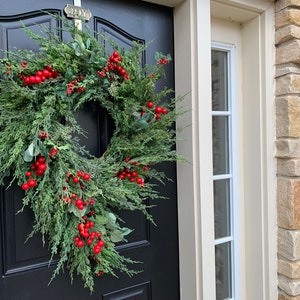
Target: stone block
{"points": [[284, 296], [288, 204], [288, 52], [288, 167], [289, 244], [282, 4], [286, 17], [288, 84], [291, 287], [288, 148], [285, 69], [286, 33], [290, 269], [288, 116]]}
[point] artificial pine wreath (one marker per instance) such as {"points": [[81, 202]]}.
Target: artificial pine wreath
{"points": [[74, 196]]}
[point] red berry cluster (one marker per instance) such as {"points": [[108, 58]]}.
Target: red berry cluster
{"points": [[90, 238], [113, 66], [132, 174], [79, 203], [74, 86], [163, 61], [157, 110], [38, 168], [40, 75], [80, 174]]}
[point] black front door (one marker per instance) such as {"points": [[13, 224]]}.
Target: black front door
{"points": [[24, 266]]}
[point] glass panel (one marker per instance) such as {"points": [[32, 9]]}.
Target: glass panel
{"points": [[222, 208], [219, 80], [223, 271], [220, 145]]}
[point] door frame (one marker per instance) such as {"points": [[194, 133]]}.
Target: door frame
{"points": [[192, 28]]}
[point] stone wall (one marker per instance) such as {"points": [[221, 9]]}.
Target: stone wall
{"points": [[287, 39]]}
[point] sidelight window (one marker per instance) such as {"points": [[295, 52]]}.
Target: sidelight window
{"points": [[223, 139]]}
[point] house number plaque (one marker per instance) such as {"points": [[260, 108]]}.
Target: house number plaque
{"points": [[77, 12]]}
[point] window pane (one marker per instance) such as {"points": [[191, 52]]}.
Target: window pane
{"points": [[220, 145], [223, 271], [219, 81], [222, 208]]}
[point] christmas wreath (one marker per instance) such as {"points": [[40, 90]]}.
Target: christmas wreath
{"points": [[74, 195]]}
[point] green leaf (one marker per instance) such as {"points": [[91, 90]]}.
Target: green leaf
{"points": [[27, 157], [30, 153], [116, 236], [126, 231], [112, 217], [101, 219]]}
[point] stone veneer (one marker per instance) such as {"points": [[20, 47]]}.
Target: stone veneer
{"points": [[287, 102]]}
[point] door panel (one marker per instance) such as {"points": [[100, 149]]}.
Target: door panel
{"points": [[24, 266]]}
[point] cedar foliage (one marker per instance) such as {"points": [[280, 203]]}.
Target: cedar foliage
{"points": [[37, 118]]}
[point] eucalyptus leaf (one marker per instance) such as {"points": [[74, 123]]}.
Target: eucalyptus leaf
{"points": [[30, 152], [102, 220], [112, 217], [27, 157], [116, 236], [126, 231]]}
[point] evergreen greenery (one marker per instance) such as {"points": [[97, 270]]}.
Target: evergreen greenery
{"points": [[74, 196]]}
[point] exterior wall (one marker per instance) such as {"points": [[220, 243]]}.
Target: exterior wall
{"points": [[287, 102]]}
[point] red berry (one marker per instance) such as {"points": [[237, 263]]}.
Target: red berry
{"points": [[97, 250], [139, 180], [78, 202], [80, 244], [86, 176], [39, 173], [150, 104], [134, 174], [41, 159], [25, 186], [164, 111], [42, 167], [31, 79], [31, 182], [39, 73], [38, 80], [101, 243], [158, 110], [28, 174], [46, 73], [80, 207], [75, 179], [79, 173]]}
